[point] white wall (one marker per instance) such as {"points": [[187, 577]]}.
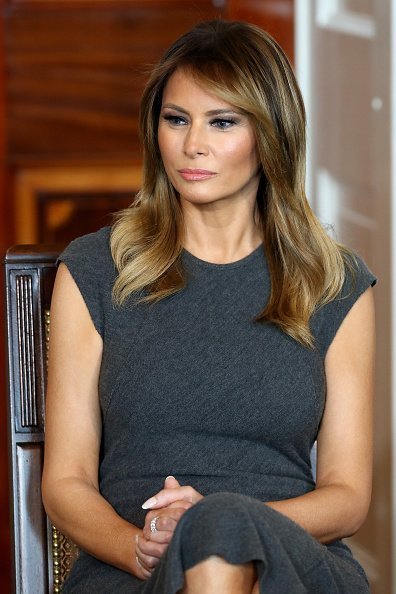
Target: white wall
{"points": [[343, 62]]}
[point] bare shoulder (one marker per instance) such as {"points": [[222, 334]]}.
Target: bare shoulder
{"points": [[357, 330], [67, 299]]}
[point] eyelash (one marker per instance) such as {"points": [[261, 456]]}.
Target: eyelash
{"points": [[229, 121], [175, 120], [172, 119]]}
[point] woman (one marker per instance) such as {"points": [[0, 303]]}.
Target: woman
{"points": [[212, 335]]}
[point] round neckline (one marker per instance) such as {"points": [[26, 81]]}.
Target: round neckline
{"points": [[190, 258]]}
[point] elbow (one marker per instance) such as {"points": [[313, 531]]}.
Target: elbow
{"points": [[358, 522], [358, 508], [59, 492], [349, 505], [52, 491], [47, 495]]}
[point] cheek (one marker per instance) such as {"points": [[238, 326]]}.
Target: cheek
{"points": [[167, 144], [162, 143], [168, 150], [243, 152]]}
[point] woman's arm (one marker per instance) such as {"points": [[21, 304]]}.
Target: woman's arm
{"points": [[339, 504], [73, 434]]}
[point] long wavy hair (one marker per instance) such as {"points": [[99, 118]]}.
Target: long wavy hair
{"points": [[243, 65]]}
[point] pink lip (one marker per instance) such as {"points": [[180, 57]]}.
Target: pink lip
{"points": [[196, 174]]}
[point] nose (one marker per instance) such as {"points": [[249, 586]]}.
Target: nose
{"points": [[195, 141]]}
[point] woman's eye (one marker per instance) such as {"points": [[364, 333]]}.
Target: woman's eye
{"points": [[223, 124], [175, 120]]}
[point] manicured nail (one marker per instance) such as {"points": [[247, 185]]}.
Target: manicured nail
{"points": [[149, 503], [170, 476]]}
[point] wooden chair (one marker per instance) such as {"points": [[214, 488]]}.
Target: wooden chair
{"points": [[42, 555]]}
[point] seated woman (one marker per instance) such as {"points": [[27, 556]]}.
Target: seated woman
{"points": [[201, 345]]}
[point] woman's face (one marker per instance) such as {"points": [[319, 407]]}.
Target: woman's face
{"points": [[207, 146]]}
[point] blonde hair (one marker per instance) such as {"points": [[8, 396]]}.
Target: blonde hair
{"points": [[244, 66]]}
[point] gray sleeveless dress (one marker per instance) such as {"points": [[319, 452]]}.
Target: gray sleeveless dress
{"points": [[193, 387]]}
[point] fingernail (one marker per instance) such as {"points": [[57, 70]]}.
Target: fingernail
{"points": [[169, 476], [149, 503], [137, 538], [138, 562]]}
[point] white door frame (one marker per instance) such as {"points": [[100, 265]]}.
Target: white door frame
{"points": [[393, 279]]}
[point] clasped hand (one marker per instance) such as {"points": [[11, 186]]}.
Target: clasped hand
{"points": [[167, 507]]}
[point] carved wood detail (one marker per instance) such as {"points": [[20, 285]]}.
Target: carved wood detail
{"points": [[64, 554], [27, 365], [47, 325]]}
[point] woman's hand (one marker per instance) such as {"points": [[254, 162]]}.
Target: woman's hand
{"points": [[148, 555], [157, 533], [170, 504], [171, 493]]}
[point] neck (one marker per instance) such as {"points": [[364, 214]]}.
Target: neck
{"points": [[219, 234]]}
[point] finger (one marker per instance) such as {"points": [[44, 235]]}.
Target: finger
{"points": [[144, 555], [142, 563], [143, 572], [158, 521], [171, 483], [162, 537], [162, 524], [168, 496], [154, 518], [147, 562], [181, 504], [148, 548]]}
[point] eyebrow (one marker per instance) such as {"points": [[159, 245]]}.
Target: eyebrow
{"points": [[212, 112]]}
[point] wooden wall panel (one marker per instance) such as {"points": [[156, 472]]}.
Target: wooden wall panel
{"points": [[49, 199], [5, 238], [75, 74], [275, 16]]}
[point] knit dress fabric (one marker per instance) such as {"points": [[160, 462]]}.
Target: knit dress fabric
{"points": [[193, 386]]}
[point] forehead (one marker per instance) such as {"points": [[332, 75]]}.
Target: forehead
{"points": [[184, 89]]}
